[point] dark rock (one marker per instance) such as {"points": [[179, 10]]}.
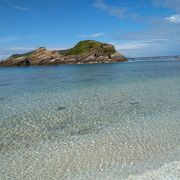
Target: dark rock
{"points": [[118, 57], [134, 103], [61, 108]]}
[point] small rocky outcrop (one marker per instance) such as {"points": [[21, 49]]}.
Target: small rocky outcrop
{"points": [[85, 52]]}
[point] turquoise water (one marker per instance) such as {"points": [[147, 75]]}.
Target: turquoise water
{"points": [[101, 121]]}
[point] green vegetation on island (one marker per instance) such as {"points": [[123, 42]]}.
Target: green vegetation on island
{"points": [[21, 55], [88, 46]]}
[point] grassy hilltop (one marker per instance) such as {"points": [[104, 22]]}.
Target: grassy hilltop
{"points": [[87, 46]]}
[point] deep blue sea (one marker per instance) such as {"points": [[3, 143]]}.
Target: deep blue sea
{"points": [[96, 121]]}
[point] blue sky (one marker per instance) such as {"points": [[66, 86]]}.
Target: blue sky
{"points": [[135, 27]]}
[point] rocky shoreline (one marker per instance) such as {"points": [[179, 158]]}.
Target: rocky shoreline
{"points": [[85, 52]]}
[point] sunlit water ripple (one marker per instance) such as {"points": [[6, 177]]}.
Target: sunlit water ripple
{"points": [[103, 121]]}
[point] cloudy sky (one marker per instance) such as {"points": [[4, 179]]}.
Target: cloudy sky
{"points": [[135, 27]]}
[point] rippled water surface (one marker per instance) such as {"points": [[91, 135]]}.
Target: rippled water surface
{"points": [[103, 121]]}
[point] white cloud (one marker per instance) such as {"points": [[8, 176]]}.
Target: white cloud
{"points": [[6, 52], [21, 8], [16, 37], [134, 45], [18, 7], [148, 47], [82, 36], [173, 4], [130, 45], [173, 19], [57, 48], [112, 10], [19, 49], [9, 38], [94, 35], [97, 35]]}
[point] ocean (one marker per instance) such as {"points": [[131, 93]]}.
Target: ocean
{"points": [[96, 121]]}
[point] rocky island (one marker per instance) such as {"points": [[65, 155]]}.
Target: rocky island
{"points": [[84, 52]]}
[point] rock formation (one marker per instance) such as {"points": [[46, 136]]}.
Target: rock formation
{"points": [[85, 52]]}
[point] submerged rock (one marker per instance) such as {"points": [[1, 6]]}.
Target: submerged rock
{"points": [[60, 108], [84, 52]]}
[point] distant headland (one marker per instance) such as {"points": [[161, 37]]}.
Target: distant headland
{"points": [[84, 52]]}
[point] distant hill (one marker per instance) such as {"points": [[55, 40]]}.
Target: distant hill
{"points": [[84, 52]]}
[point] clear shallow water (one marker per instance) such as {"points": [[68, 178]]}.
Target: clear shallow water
{"points": [[103, 121]]}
